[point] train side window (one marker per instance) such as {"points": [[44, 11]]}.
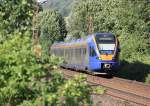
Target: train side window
{"points": [[92, 52], [84, 51], [66, 54], [53, 51], [63, 53], [80, 55], [59, 52], [56, 52], [70, 54]]}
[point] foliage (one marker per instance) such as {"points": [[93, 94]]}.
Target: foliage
{"points": [[72, 93], [75, 35], [63, 6], [128, 19], [121, 17], [148, 79], [18, 68], [27, 81], [15, 16], [52, 28]]}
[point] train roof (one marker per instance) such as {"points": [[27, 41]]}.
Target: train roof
{"points": [[81, 40]]}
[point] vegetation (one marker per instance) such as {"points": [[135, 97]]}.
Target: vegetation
{"points": [[15, 16], [29, 81], [63, 6], [129, 20], [26, 80], [52, 28], [18, 68]]}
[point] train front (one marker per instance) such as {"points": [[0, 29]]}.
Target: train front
{"points": [[108, 47]]}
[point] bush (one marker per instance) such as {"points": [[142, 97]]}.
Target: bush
{"points": [[18, 68], [26, 81]]}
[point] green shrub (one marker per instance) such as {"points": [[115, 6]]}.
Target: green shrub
{"points": [[26, 80], [18, 68]]}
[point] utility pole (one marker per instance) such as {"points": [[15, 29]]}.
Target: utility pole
{"points": [[35, 30], [90, 25], [90, 21], [36, 44]]}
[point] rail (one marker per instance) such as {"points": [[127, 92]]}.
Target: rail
{"points": [[131, 91]]}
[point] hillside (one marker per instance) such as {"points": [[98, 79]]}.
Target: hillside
{"points": [[63, 6]]}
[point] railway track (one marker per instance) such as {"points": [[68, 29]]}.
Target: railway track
{"points": [[130, 91]]}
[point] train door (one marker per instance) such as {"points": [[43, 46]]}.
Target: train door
{"points": [[93, 61]]}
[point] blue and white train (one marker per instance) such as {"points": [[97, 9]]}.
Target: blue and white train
{"points": [[97, 53]]}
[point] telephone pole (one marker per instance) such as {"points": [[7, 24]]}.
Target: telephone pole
{"points": [[35, 30], [90, 25], [36, 44], [90, 21]]}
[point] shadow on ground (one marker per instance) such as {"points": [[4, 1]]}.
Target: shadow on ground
{"points": [[133, 71]]}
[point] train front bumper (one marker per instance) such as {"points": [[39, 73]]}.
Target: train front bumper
{"points": [[109, 65]]}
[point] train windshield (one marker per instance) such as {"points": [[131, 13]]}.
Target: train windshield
{"points": [[106, 43]]}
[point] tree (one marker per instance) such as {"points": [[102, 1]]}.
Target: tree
{"points": [[127, 18], [52, 28], [24, 79], [18, 69], [27, 81], [124, 18], [15, 16], [63, 6]]}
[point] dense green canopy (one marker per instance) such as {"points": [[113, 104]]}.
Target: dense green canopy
{"points": [[128, 19], [24, 79], [63, 6], [52, 28], [12, 12]]}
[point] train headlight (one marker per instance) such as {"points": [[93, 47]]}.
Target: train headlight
{"points": [[107, 66]]}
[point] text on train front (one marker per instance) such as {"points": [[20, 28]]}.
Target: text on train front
{"points": [[106, 45]]}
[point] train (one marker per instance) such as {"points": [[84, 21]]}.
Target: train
{"points": [[97, 53]]}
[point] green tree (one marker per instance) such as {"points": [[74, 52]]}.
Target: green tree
{"points": [[24, 79], [15, 15], [19, 69], [63, 6], [127, 18], [52, 28]]}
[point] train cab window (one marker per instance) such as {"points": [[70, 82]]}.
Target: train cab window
{"points": [[92, 52]]}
